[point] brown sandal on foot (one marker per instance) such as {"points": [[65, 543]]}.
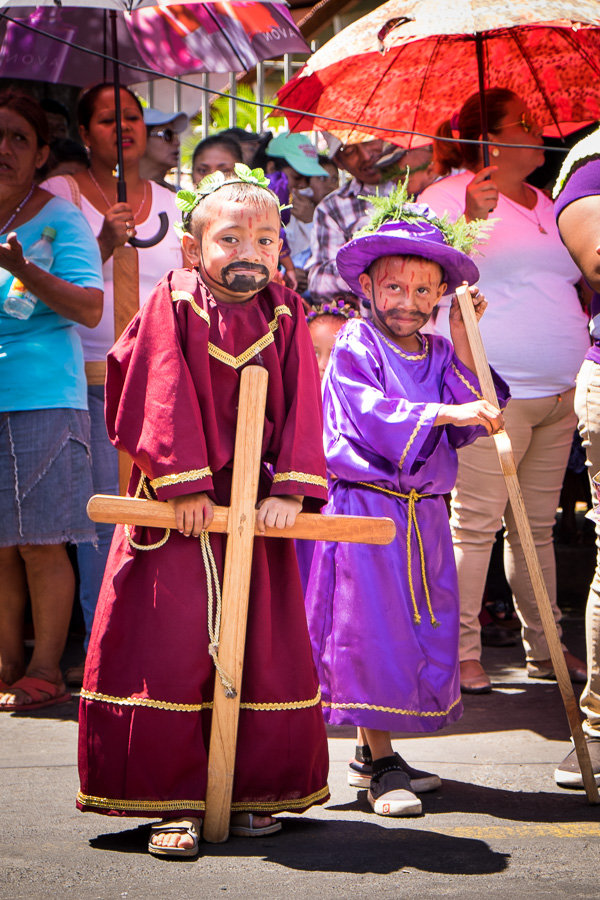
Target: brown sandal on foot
{"points": [[183, 827]]}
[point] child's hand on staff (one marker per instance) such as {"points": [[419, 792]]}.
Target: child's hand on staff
{"points": [[278, 512], [193, 513], [479, 412], [479, 305]]}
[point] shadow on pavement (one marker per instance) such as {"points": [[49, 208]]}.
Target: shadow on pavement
{"points": [[506, 805], [68, 712], [513, 705], [315, 846]]}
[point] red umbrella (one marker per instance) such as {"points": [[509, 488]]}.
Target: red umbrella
{"points": [[412, 63]]}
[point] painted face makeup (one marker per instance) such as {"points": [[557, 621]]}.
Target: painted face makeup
{"points": [[324, 331], [403, 292], [238, 249]]}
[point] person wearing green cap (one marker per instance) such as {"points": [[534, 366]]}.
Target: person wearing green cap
{"points": [[293, 154]]}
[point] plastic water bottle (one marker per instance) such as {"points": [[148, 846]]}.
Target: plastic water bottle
{"points": [[20, 302]]}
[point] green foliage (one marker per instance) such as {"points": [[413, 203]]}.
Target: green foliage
{"points": [[251, 176], [186, 201], [245, 114], [399, 207]]}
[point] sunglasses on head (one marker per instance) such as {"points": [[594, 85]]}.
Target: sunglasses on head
{"points": [[167, 134], [526, 122]]}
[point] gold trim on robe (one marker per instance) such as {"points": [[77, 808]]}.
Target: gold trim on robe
{"points": [[391, 709], [300, 477], [185, 295], [466, 382], [192, 475], [411, 439], [197, 707], [236, 361], [152, 806]]}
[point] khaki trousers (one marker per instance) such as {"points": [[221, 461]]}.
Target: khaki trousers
{"points": [[541, 432], [587, 407]]}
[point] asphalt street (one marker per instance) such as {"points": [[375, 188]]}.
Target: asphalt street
{"points": [[498, 828]]}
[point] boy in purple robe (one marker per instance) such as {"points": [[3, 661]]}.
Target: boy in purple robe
{"points": [[397, 404]]}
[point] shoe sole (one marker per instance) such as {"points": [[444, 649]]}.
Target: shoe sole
{"points": [[483, 689], [417, 785], [395, 807], [571, 779]]}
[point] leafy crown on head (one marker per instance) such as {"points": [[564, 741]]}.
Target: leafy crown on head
{"points": [[187, 201], [398, 207]]}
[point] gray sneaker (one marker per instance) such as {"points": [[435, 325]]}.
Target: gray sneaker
{"points": [[568, 774], [389, 791]]}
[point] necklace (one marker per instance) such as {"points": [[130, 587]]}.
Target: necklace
{"points": [[17, 210], [107, 201], [413, 356], [519, 209]]}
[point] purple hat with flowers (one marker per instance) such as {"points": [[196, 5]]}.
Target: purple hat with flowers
{"points": [[400, 228]]}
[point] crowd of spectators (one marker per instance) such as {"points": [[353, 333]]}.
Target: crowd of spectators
{"points": [[52, 430]]}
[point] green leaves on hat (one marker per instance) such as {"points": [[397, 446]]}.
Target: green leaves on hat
{"points": [[398, 207]]}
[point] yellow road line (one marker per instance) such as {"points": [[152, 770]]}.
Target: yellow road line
{"points": [[531, 830]]}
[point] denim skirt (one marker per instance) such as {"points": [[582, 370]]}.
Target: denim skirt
{"points": [[45, 477]]}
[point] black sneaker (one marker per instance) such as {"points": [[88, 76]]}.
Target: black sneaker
{"points": [[360, 770], [389, 791], [568, 774]]}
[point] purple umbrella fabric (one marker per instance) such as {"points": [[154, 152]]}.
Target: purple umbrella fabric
{"points": [[178, 39]]}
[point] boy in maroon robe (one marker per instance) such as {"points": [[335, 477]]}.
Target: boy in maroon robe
{"points": [[172, 395]]}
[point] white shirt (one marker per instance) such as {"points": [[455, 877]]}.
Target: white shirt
{"points": [[534, 329], [154, 262]]}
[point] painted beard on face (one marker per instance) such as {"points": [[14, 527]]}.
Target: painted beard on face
{"points": [[399, 322], [236, 278]]}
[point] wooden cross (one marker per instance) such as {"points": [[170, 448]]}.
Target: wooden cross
{"points": [[238, 521], [515, 496]]}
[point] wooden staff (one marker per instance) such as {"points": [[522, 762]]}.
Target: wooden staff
{"points": [[238, 521], [126, 299], [509, 470]]}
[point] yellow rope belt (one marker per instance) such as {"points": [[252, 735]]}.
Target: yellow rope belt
{"points": [[412, 497]]}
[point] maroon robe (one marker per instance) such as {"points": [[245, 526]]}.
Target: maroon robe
{"points": [[172, 395]]}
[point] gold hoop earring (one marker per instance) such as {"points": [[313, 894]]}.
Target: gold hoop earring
{"points": [[495, 152]]}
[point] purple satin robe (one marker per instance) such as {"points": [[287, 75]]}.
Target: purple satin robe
{"points": [[378, 668]]}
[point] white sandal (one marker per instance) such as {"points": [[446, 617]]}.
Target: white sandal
{"points": [[242, 825]]}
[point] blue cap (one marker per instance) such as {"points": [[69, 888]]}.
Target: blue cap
{"points": [[155, 117]]}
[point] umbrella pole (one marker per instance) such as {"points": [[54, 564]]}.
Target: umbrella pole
{"points": [[482, 100], [121, 186], [507, 463]]}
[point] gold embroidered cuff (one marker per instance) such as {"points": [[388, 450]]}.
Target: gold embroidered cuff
{"points": [[466, 382], [301, 478], [192, 475]]}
